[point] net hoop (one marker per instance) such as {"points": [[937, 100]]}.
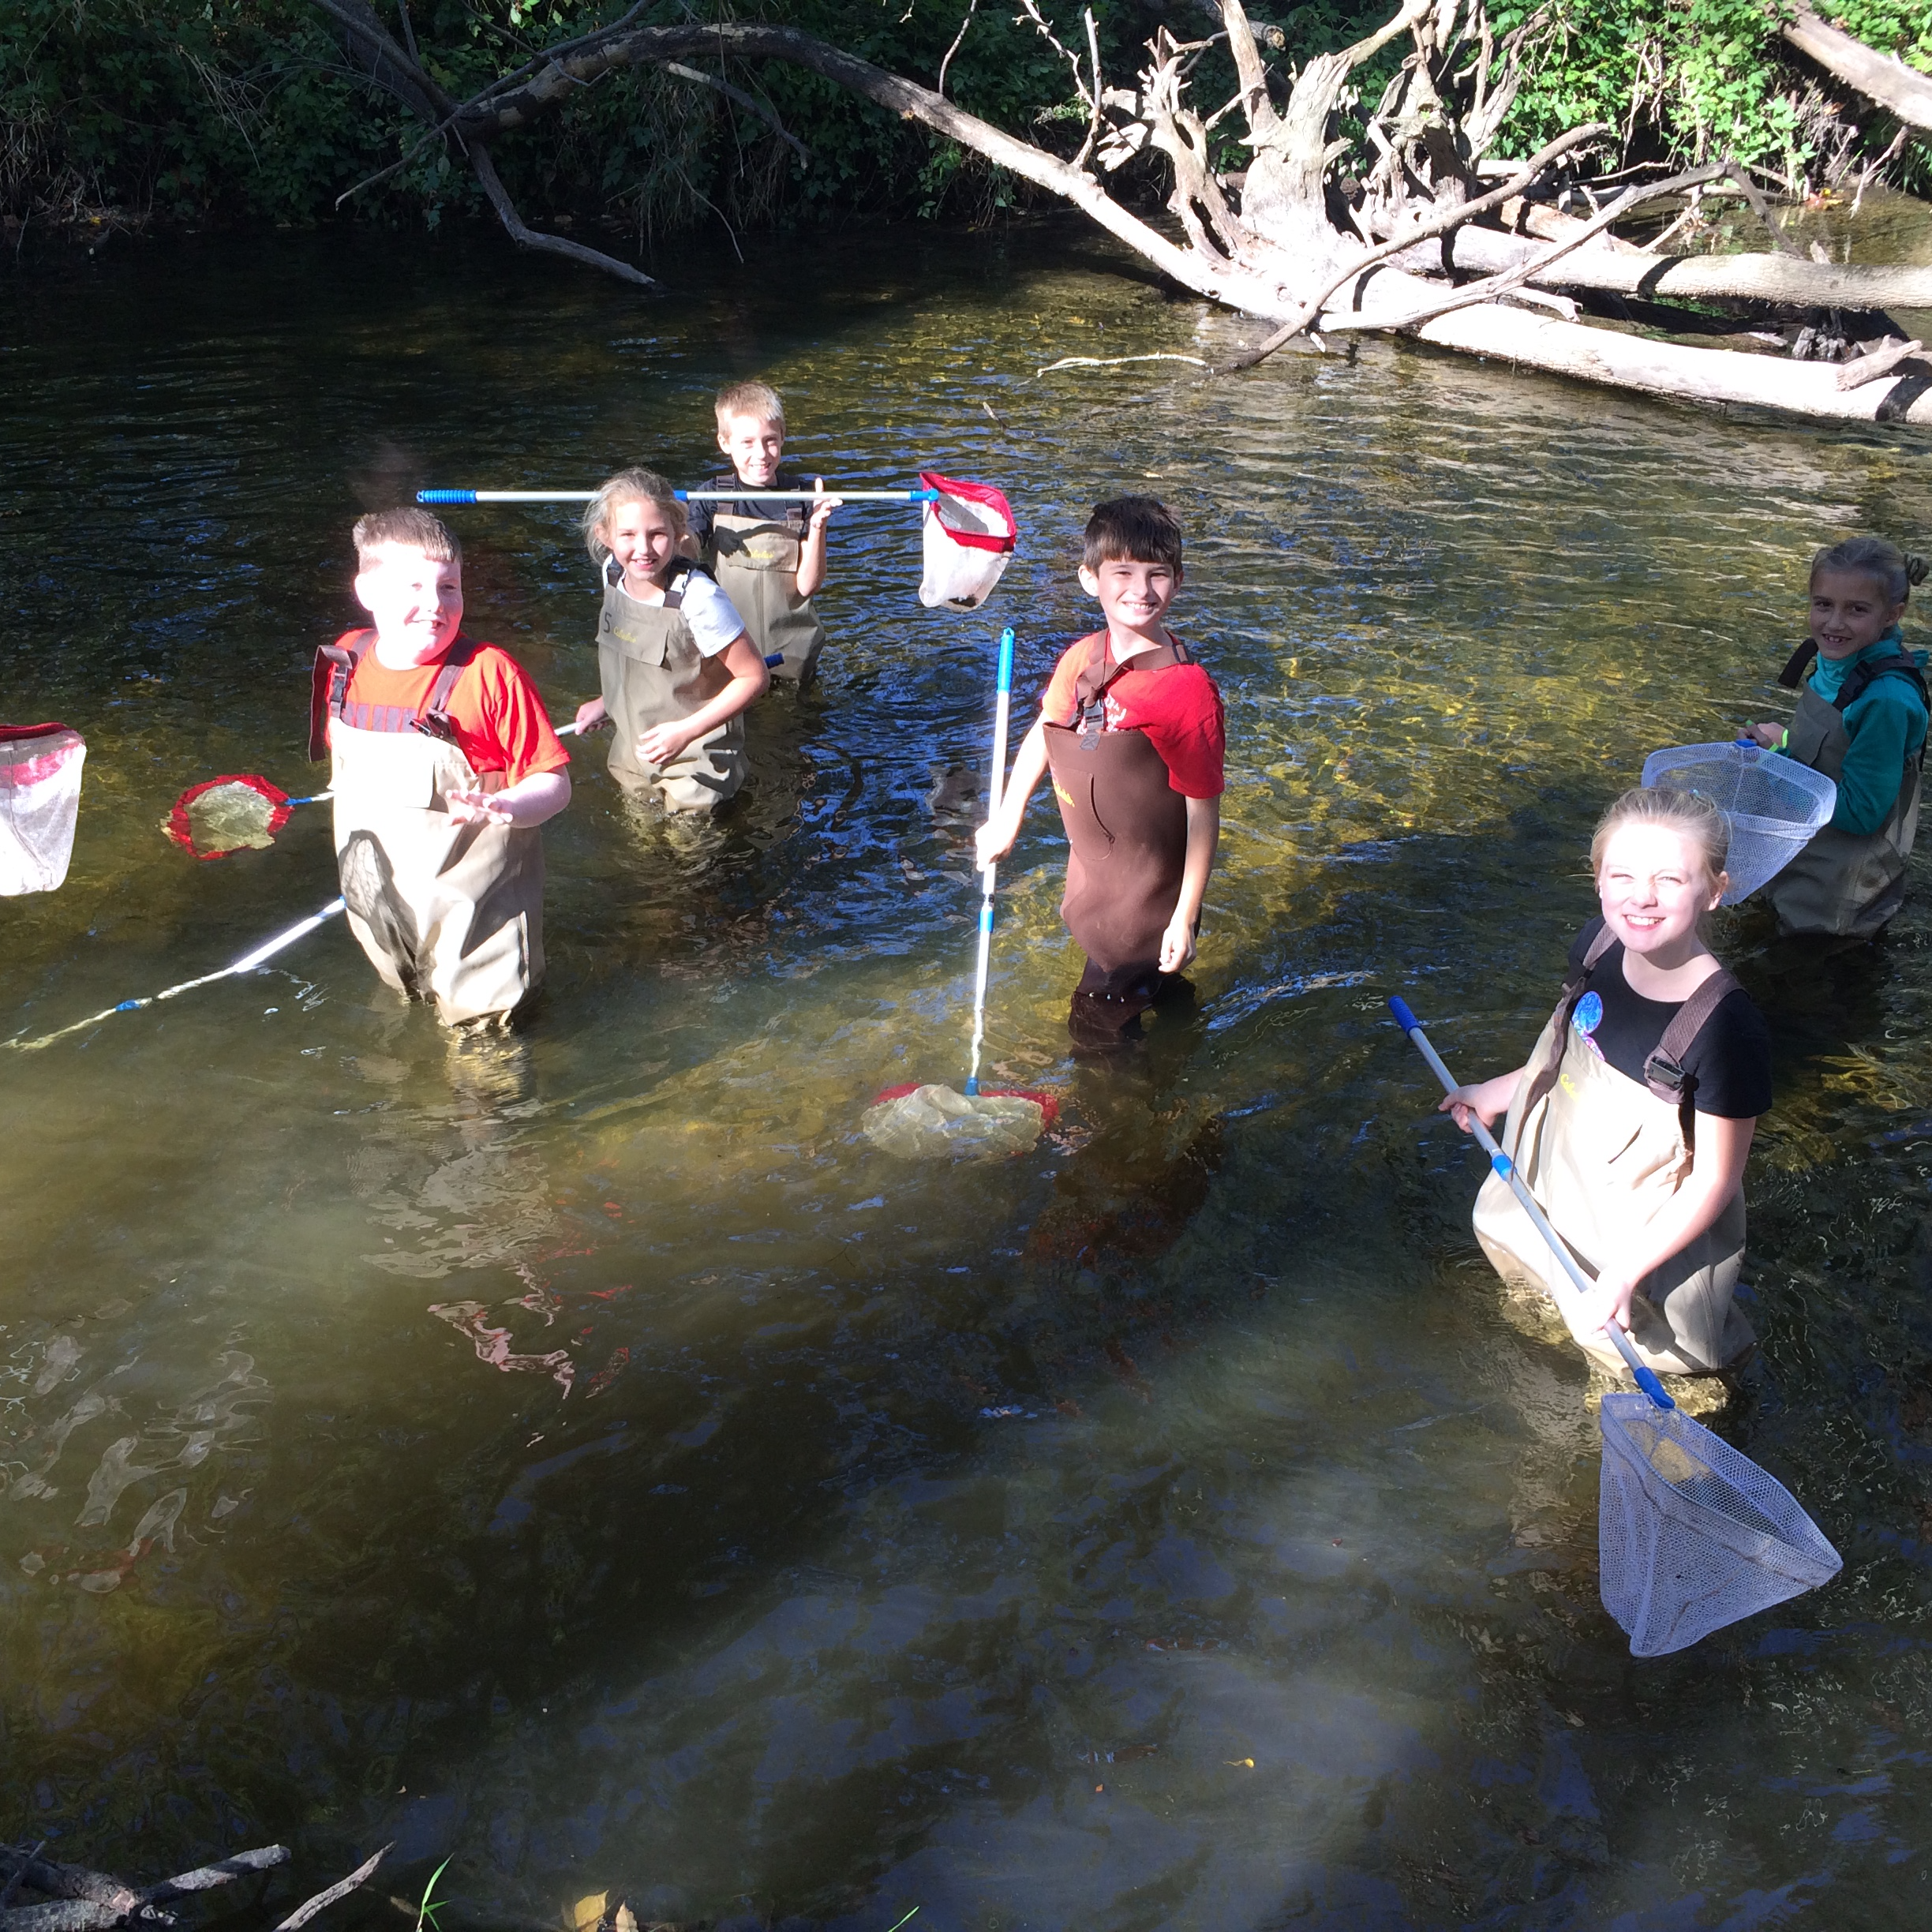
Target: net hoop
{"points": [[1048, 1106], [981, 493], [34, 767], [178, 828]]}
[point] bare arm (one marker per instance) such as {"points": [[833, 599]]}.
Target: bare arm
{"points": [[994, 839], [812, 570], [1716, 1173], [1489, 1100], [749, 682], [1203, 834], [527, 803]]}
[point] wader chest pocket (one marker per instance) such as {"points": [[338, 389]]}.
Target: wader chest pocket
{"points": [[647, 650], [365, 786]]}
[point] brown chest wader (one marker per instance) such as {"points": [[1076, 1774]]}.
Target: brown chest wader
{"points": [[448, 911], [1845, 882], [756, 561], [1605, 1155], [1126, 829], [654, 673]]}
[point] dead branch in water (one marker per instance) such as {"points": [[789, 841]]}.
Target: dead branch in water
{"points": [[80, 1900]]}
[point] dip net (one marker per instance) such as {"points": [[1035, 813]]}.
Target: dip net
{"points": [[39, 802], [940, 1123], [968, 536], [240, 811], [1773, 804], [1691, 1535]]}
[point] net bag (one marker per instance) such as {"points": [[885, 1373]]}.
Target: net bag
{"points": [[239, 811], [39, 801], [1691, 1535], [1773, 804], [939, 1123], [969, 536]]}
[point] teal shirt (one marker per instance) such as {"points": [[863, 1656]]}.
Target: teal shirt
{"points": [[1886, 726]]}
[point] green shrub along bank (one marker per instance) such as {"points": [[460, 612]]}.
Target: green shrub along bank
{"points": [[197, 111]]}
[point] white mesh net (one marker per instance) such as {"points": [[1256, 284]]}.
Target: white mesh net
{"points": [[937, 1123], [39, 802], [968, 536], [1691, 1535], [1774, 804]]}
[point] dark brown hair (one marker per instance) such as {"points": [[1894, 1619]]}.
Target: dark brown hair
{"points": [[1137, 529]]}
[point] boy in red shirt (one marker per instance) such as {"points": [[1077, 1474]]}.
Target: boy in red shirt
{"points": [[1131, 728], [444, 764]]}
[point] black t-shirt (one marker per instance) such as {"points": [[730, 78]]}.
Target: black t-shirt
{"points": [[1730, 1060], [766, 509]]}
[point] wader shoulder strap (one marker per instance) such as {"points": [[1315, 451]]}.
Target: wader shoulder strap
{"points": [[1664, 1072], [328, 684], [1863, 677], [434, 720], [681, 571], [1098, 676], [1799, 663], [1575, 981]]}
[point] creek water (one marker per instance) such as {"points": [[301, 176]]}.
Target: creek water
{"points": [[587, 1457]]}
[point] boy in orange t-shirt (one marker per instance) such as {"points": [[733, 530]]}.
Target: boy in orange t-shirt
{"points": [[444, 765], [1131, 728]]}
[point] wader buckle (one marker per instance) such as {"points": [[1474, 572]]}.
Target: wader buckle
{"points": [[437, 724]]}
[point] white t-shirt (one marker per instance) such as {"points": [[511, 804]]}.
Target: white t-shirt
{"points": [[713, 620]]}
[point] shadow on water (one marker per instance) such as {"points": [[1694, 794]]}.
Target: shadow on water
{"points": [[585, 1454]]}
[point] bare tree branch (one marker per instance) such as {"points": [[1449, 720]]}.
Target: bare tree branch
{"points": [[527, 237], [749, 103], [966, 20], [342, 1887], [1899, 90]]}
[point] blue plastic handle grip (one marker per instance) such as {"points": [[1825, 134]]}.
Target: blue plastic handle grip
{"points": [[1404, 1018], [1005, 659], [1653, 1387], [446, 496], [776, 659]]}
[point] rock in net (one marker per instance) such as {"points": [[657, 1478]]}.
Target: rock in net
{"points": [[938, 1123]]}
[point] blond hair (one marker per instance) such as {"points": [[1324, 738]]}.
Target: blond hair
{"points": [[1689, 813], [755, 400], [1892, 569], [415, 529], [628, 486]]}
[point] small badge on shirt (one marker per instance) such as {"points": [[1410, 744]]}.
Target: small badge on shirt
{"points": [[1587, 1018]]}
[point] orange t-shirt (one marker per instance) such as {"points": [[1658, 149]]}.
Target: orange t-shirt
{"points": [[501, 724]]}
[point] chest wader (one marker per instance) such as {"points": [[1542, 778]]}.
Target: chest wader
{"points": [[654, 673], [756, 563], [448, 911], [1605, 1155], [1126, 829], [1846, 882]]}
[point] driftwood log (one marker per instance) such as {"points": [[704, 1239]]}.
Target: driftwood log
{"points": [[1899, 90], [76, 1899], [1291, 242]]}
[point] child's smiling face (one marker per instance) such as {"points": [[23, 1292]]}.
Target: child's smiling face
{"points": [[1654, 888], [417, 602], [1134, 595], [1849, 611], [643, 538], [754, 444]]}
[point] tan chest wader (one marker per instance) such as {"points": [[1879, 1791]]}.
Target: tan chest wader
{"points": [[1126, 825], [1605, 1155], [1845, 882], [654, 673], [446, 910], [755, 560]]}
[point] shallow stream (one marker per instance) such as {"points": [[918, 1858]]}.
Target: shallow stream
{"points": [[587, 1457]]}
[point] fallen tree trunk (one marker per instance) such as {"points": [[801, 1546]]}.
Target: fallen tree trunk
{"points": [[1778, 279], [1899, 90]]}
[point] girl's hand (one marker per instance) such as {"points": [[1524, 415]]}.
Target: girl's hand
{"points": [[591, 715], [1177, 946], [1487, 1102], [1612, 1301], [1770, 736], [662, 743], [994, 840]]}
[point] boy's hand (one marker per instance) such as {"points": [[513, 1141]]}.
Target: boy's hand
{"points": [[823, 506], [1770, 736], [591, 715], [479, 808], [1176, 946], [662, 743]]}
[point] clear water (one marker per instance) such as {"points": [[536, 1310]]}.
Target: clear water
{"points": [[588, 1457]]}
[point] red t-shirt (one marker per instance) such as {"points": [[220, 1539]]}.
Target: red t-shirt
{"points": [[501, 724], [1177, 707]]}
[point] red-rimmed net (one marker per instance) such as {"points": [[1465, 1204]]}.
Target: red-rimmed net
{"points": [[239, 811], [968, 536], [939, 1123], [39, 801]]}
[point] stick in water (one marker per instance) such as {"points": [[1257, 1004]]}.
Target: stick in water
{"points": [[1506, 1168], [1001, 709]]}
